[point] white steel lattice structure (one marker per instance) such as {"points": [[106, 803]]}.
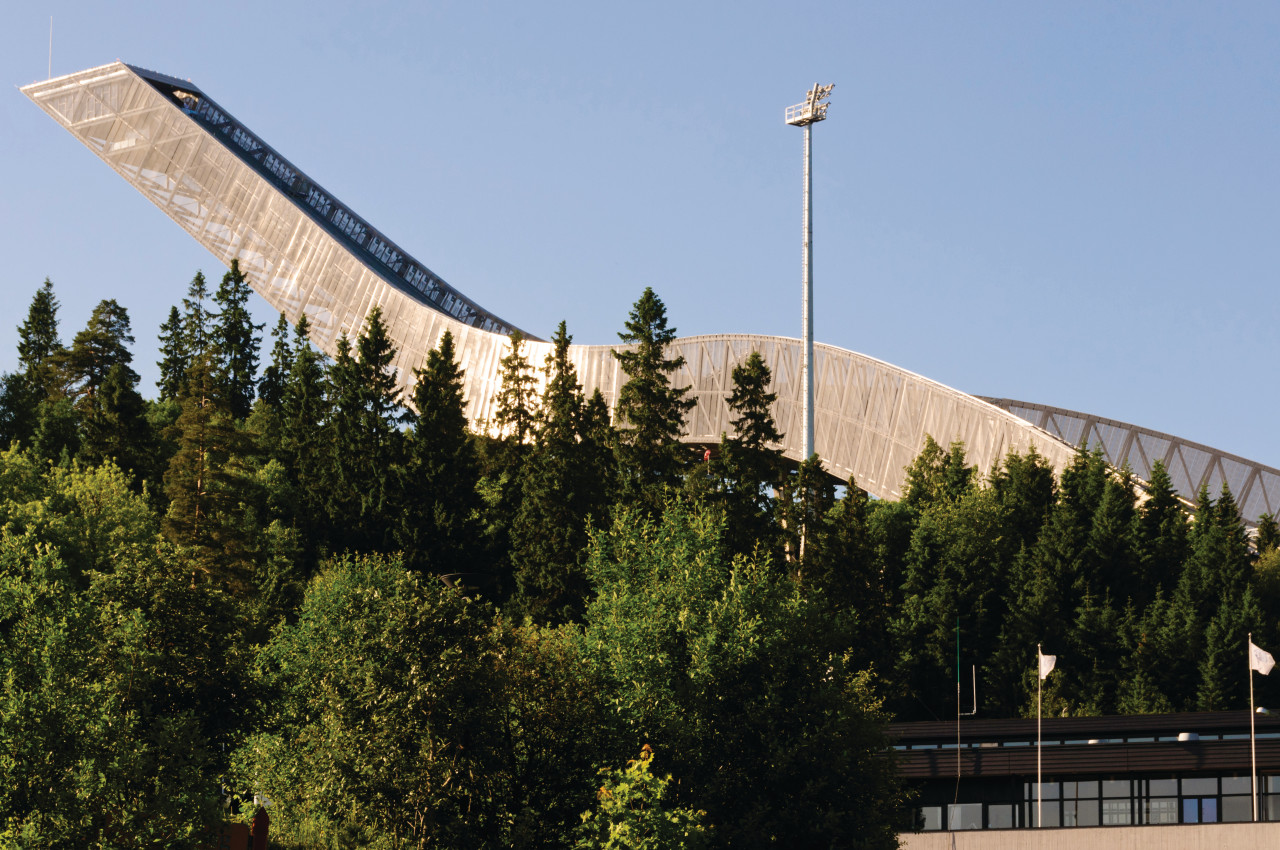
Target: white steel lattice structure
{"points": [[1255, 487], [306, 252]]}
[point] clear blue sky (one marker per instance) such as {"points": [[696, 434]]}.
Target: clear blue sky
{"points": [[1072, 204]]}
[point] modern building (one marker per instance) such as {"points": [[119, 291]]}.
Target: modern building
{"points": [[306, 252], [1146, 770]]}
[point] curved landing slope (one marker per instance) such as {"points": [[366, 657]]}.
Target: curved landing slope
{"points": [[1255, 486], [306, 252]]}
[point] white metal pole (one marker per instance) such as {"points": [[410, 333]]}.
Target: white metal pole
{"points": [[1253, 743], [806, 314], [1039, 776], [807, 295]]}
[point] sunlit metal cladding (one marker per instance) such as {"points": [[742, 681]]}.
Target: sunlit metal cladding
{"points": [[305, 252]]}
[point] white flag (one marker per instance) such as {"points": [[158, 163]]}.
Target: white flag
{"points": [[1047, 662], [1259, 659]]}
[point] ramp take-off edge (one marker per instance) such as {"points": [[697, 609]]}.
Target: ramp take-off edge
{"points": [[306, 252]]}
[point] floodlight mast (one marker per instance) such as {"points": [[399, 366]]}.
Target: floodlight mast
{"points": [[813, 110]]}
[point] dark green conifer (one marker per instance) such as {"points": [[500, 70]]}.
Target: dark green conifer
{"points": [[516, 396], [116, 427], [558, 494], [747, 463], [439, 527], [103, 343], [651, 412], [174, 357], [304, 416], [197, 322], [236, 338], [200, 482], [276, 375], [365, 441], [39, 375], [39, 348], [937, 475], [1111, 562], [1162, 533]]}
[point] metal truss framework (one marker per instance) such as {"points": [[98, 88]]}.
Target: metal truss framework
{"points": [[306, 252], [1255, 487]]}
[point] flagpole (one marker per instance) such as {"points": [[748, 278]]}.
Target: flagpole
{"points": [[1253, 742], [1039, 778]]}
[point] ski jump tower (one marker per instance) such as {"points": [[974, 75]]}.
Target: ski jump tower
{"points": [[305, 251]]}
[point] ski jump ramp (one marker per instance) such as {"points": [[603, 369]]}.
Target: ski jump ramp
{"points": [[305, 251]]}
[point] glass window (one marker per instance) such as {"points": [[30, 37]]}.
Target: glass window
{"points": [[1000, 816], [1116, 812], [1050, 813], [1237, 809], [1115, 788], [1162, 810], [1047, 790], [1086, 789], [1201, 786], [1208, 809], [1163, 788], [1271, 805], [964, 816], [931, 818], [1236, 785], [1191, 810], [1080, 813]]}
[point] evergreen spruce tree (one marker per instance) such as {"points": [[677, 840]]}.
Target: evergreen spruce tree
{"points": [[650, 411], [1268, 537], [39, 348], [1161, 534], [103, 343], [1111, 560], [558, 494], [304, 418], [276, 375], [197, 321], [803, 502], [267, 419], [1142, 662], [116, 427], [516, 397], [937, 475], [1026, 488], [1223, 685], [747, 463], [174, 357], [439, 528], [56, 437], [39, 376], [235, 336], [200, 482], [365, 441]]}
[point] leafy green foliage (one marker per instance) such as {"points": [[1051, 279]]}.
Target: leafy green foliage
{"points": [[382, 717], [631, 814], [743, 679]]}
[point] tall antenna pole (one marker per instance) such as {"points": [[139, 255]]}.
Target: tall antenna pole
{"points": [[805, 115]]}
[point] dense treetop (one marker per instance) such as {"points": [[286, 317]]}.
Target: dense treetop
{"points": [[302, 585]]}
